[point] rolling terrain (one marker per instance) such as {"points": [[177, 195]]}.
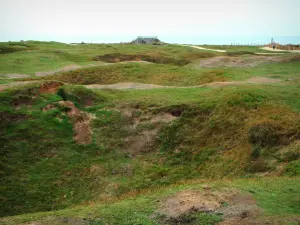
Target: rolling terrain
{"points": [[144, 134]]}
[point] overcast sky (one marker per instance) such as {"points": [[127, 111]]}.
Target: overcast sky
{"points": [[120, 20]]}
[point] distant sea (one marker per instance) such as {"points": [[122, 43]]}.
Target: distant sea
{"points": [[176, 39]]}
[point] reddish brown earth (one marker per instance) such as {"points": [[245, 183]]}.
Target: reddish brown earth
{"points": [[50, 87], [235, 207], [81, 121]]}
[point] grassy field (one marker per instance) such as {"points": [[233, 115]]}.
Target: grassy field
{"points": [[273, 196], [147, 145]]}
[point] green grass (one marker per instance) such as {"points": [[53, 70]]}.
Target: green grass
{"points": [[46, 56], [55, 166], [140, 72], [274, 195], [226, 137]]}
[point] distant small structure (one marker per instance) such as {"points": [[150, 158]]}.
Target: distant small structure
{"points": [[146, 40], [273, 44]]}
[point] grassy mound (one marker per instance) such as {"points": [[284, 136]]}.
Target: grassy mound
{"points": [[124, 157], [117, 57], [274, 197], [142, 73], [207, 137]]}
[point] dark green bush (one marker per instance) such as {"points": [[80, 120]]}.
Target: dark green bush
{"points": [[293, 168]]}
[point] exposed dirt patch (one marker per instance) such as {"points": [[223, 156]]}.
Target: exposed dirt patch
{"points": [[80, 120], [235, 207], [162, 117], [124, 85], [207, 49], [81, 123], [186, 201], [241, 61], [279, 50], [50, 87], [143, 140], [242, 209], [64, 69]]}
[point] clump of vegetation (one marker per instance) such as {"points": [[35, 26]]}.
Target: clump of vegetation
{"points": [[293, 168], [11, 47], [238, 53], [257, 166], [140, 72]]}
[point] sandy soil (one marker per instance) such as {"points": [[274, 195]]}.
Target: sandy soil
{"points": [[239, 209], [144, 140], [279, 50], [201, 48], [124, 85]]}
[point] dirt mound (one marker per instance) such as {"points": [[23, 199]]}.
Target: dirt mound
{"points": [[50, 87], [81, 123], [234, 207], [186, 201]]}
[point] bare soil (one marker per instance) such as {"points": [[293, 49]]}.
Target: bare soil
{"points": [[235, 207], [142, 141], [80, 120], [50, 87], [124, 85], [279, 50], [208, 49], [81, 123]]}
